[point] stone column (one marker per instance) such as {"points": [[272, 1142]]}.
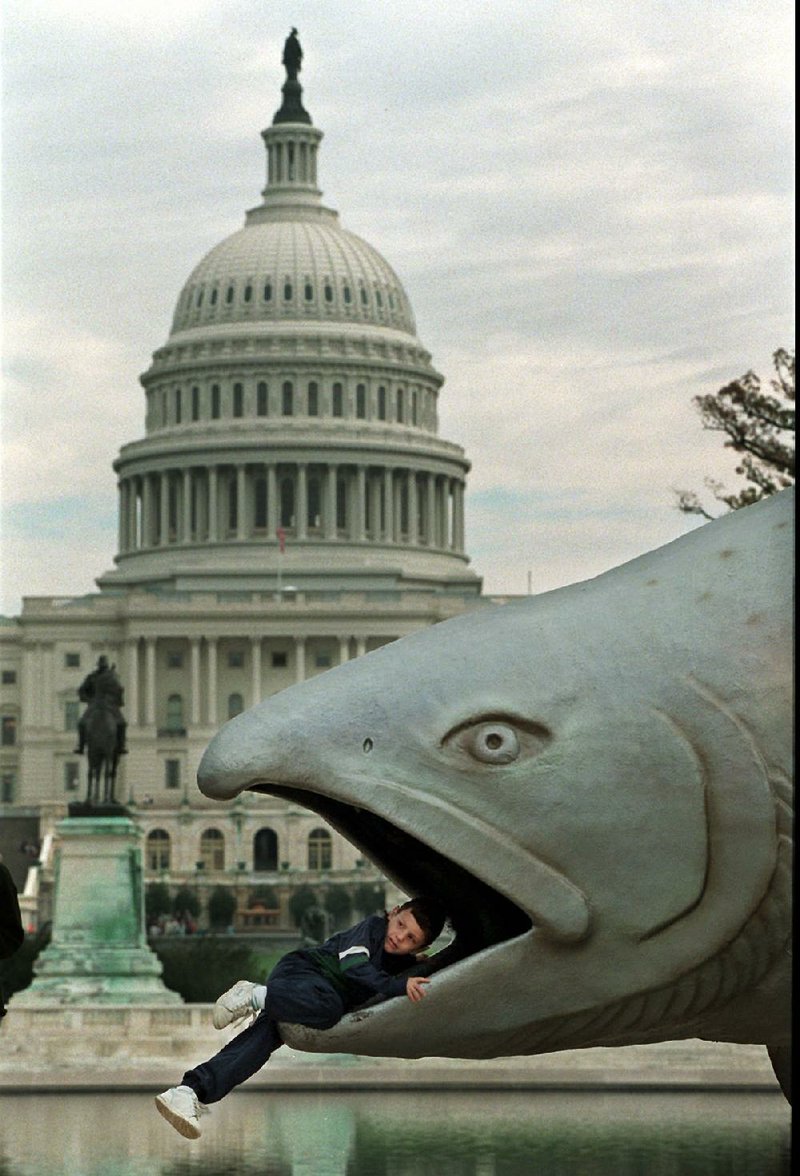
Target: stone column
{"points": [[300, 658], [388, 506], [430, 522], [458, 516], [413, 536], [241, 502], [122, 517], [361, 504], [186, 529], [361, 646], [344, 650], [147, 510], [211, 645], [163, 537], [255, 649], [132, 688], [330, 502], [194, 647], [301, 506], [150, 681]]}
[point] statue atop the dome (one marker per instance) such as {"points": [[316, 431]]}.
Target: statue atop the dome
{"points": [[292, 56]]}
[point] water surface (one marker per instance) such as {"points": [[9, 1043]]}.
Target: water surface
{"points": [[481, 1133]]}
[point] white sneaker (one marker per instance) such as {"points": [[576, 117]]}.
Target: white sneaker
{"points": [[234, 1005], [181, 1107]]}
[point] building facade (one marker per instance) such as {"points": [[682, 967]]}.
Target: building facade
{"points": [[289, 507]]}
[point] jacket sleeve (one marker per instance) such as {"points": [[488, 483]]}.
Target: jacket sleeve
{"points": [[356, 951]]}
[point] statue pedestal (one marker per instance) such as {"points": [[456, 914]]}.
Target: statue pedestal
{"points": [[98, 953]]}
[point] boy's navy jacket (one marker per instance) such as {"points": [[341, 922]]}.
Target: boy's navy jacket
{"points": [[356, 964]]}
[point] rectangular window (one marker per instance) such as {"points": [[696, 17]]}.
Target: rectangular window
{"points": [[8, 731], [215, 402], [174, 659], [323, 660], [262, 403], [72, 774], [361, 402], [178, 406], [72, 712], [9, 677], [8, 783], [195, 404], [172, 773], [236, 658], [72, 660], [279, 661]]}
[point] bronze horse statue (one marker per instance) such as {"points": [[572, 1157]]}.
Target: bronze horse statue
{"points": [[102, 753], [101, 731]]}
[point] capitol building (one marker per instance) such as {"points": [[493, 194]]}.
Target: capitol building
{"points": [[289, 506]]}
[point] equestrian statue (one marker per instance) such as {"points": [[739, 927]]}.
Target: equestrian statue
{"points": [[101, 730]]}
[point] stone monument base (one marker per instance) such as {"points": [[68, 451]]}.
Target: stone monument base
{"points": [[98, 953]]}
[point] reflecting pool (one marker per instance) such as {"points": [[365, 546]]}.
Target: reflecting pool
{"points": [[481, 1133]]}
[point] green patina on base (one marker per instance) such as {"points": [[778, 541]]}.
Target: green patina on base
{"points": [[98, 953]]}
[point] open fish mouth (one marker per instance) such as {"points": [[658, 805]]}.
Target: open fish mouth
{"points": [[479, 915]]}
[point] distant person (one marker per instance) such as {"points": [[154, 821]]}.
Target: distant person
{"points": [[12, 933], [313, 986]]}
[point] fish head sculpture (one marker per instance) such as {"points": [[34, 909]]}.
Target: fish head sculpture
{"points": [[595, 783]]}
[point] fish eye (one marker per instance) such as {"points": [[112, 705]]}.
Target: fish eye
{"points": [[492, 743], [497, 740]]}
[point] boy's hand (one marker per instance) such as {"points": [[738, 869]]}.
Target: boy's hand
{"points": [[414, 987]]}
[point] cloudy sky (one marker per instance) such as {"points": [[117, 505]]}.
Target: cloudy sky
{"points": [[590, 205]]}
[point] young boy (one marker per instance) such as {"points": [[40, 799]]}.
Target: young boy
{"points": [[313, 986]]}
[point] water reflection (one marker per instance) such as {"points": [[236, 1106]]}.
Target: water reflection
{"points": [[486, 1133]]}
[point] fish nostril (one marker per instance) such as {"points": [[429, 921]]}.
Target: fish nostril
{"points": [[367, 744]]}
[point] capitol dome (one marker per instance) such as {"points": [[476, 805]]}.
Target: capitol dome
{"points": [[308, 269], [292, 409]]}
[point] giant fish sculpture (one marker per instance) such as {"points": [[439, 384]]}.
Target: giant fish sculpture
{"points": [[595, 781]]}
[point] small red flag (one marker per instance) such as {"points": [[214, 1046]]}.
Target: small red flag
{"points": [[281, 539]]}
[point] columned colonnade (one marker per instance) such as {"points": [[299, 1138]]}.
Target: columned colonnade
{"points": [[141, 694], [248, 500]]}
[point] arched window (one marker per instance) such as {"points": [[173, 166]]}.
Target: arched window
{"points": [[328, 292], [313, 398], [414, 407], [287, 399], [400, 405], [361, 401], [308, 292], [348, 297], [195, 404], [214, 296], [178, 406], [320, 850], [175, 713], [364, 298], [229, 295], [287, 502], [337, 407], [235, 705], [215, 401], [287, 291], [158, 850], [265, 850], [212, 849], [248, 293], [268, 291], [262, 399], [381, 404], [238, 400], [200, 296]]}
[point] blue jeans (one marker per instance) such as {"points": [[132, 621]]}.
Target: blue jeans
{"points": [[296, 992]]}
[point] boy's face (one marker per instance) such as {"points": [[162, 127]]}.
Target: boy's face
{"points": [[403, 933]]}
